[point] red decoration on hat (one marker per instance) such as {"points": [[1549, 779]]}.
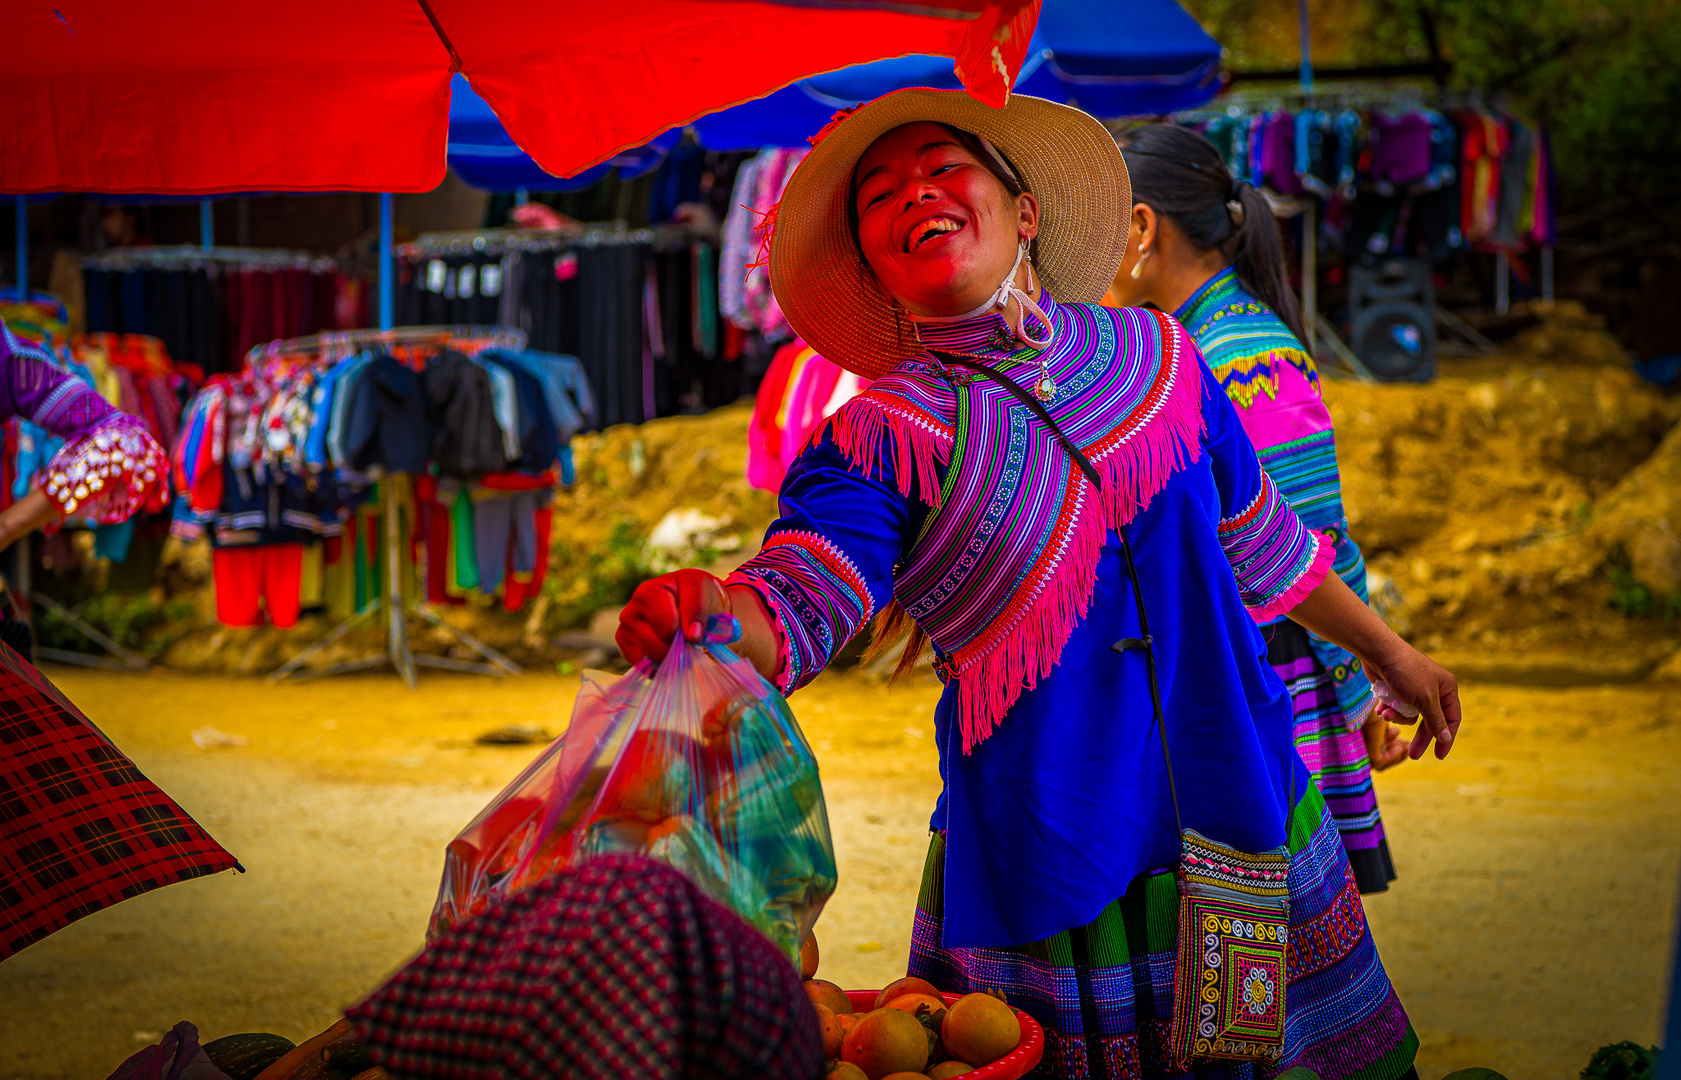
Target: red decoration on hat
{"points": [[834, 122], [765, 227]]}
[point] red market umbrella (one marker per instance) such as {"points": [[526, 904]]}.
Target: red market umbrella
{"points": [[192, 97]]}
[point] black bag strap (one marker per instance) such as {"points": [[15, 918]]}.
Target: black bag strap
{"points": [[1144, 643]]}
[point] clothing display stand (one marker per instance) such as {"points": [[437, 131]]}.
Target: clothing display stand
{"points": [[397, 655], [1334, 344], [391, 605]]}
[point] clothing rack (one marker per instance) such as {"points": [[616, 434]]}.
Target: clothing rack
{"points": [[397, 655], [1398, 97], [334, 344], [187, 256], [1320, 96], [499, 241]]}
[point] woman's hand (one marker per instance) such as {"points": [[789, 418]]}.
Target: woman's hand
{"points": [[1333, 612], [1417, 681], [681, 602], [665, 606], [1385, 747]]}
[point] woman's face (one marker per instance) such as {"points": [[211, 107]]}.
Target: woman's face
{"points": [[937, 228]]}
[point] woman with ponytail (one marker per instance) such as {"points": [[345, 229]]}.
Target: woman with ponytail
{"points": [[1206, 248]]}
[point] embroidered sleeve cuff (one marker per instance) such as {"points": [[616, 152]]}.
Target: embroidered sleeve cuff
{"points": [[1308, 569], [109, 474], [1276, 559], [73, 409], [784, 659], [816, 595]]}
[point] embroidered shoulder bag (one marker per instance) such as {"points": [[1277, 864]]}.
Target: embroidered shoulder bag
{"points": [[1234, 906]]}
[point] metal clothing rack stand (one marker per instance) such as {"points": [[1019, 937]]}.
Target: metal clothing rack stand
{"points": [[391, 606], [501, 241], [124, 659], [395, 610], [171, 257], [332, 345]]}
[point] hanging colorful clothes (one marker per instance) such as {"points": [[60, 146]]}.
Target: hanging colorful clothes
{"points": [[798, 393], [1274, 385]]}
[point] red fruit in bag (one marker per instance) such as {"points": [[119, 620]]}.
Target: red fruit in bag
{"points": [[649, 777]]}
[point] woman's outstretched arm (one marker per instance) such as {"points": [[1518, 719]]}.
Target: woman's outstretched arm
{"points": [[1333, 612]]}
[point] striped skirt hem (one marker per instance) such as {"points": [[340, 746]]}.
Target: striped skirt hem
{"points": [[1104, 992]]}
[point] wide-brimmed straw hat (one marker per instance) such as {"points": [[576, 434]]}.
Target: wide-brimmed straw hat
{"points": [[1066, 158]]}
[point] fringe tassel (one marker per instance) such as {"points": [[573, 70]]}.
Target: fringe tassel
{"points": [[765, 231], [1134, 471], [1324, 555], [858, 428]]}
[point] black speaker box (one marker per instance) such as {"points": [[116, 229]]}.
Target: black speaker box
{"points": [[1392, 308]]}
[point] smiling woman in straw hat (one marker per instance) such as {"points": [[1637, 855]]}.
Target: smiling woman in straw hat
{"points": [[1057, 497]]}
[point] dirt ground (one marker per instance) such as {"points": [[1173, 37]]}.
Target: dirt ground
{"points": [[1531, 922]]}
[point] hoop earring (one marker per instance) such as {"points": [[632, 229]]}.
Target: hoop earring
{"points": [[1138, 267]]}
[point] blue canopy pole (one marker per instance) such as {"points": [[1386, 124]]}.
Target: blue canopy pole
{"points": [[1307, 48], [206, 225], [522, 196], [23, 248], [387, 265], [1310, 209]]}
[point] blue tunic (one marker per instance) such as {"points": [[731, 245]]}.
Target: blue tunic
{"points": [[1052, 815]]}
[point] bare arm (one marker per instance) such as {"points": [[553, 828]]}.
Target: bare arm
{"points": [[1333, 612], [25, 516]]}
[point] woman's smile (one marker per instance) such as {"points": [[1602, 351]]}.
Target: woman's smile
{"points": [[930, 231]]}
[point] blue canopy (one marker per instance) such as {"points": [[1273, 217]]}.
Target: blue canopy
{"points": [[482, 153], [1140, 58], [1109, 57]]}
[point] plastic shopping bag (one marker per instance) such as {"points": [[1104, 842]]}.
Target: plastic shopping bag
{"points": [[697, 763]]}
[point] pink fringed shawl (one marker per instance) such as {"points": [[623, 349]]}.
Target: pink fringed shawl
{"points": [[1005, 566]]}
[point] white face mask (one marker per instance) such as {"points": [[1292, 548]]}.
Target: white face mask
{"points": [[1000, 300]]}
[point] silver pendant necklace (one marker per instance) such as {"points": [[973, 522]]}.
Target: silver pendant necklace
{"points": [[1045, 388]]}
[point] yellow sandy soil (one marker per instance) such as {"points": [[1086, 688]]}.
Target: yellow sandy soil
{"points": [[1531, 923]]}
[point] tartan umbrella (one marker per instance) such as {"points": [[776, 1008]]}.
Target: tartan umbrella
{"points": [[80, 827], [191, 97]]}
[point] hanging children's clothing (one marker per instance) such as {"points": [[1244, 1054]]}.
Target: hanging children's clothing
{"points": [[277, 466], [1398, 179], [758, 189], [262, 577]]}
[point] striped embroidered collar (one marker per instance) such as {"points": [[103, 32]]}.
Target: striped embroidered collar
{"points": [[985, 335], [1242, 339], [1218, 296]]}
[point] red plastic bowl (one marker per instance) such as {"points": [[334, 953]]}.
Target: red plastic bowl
{"points": [[1012, 1066]]}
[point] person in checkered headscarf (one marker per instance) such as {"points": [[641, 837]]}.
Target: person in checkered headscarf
{"points": [[619, 967], [80, 827]]}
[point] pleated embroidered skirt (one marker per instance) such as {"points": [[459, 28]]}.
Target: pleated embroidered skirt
{"points": [[1104, 991]]}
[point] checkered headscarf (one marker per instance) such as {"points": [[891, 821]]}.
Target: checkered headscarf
{"points": [[621, 967]]}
